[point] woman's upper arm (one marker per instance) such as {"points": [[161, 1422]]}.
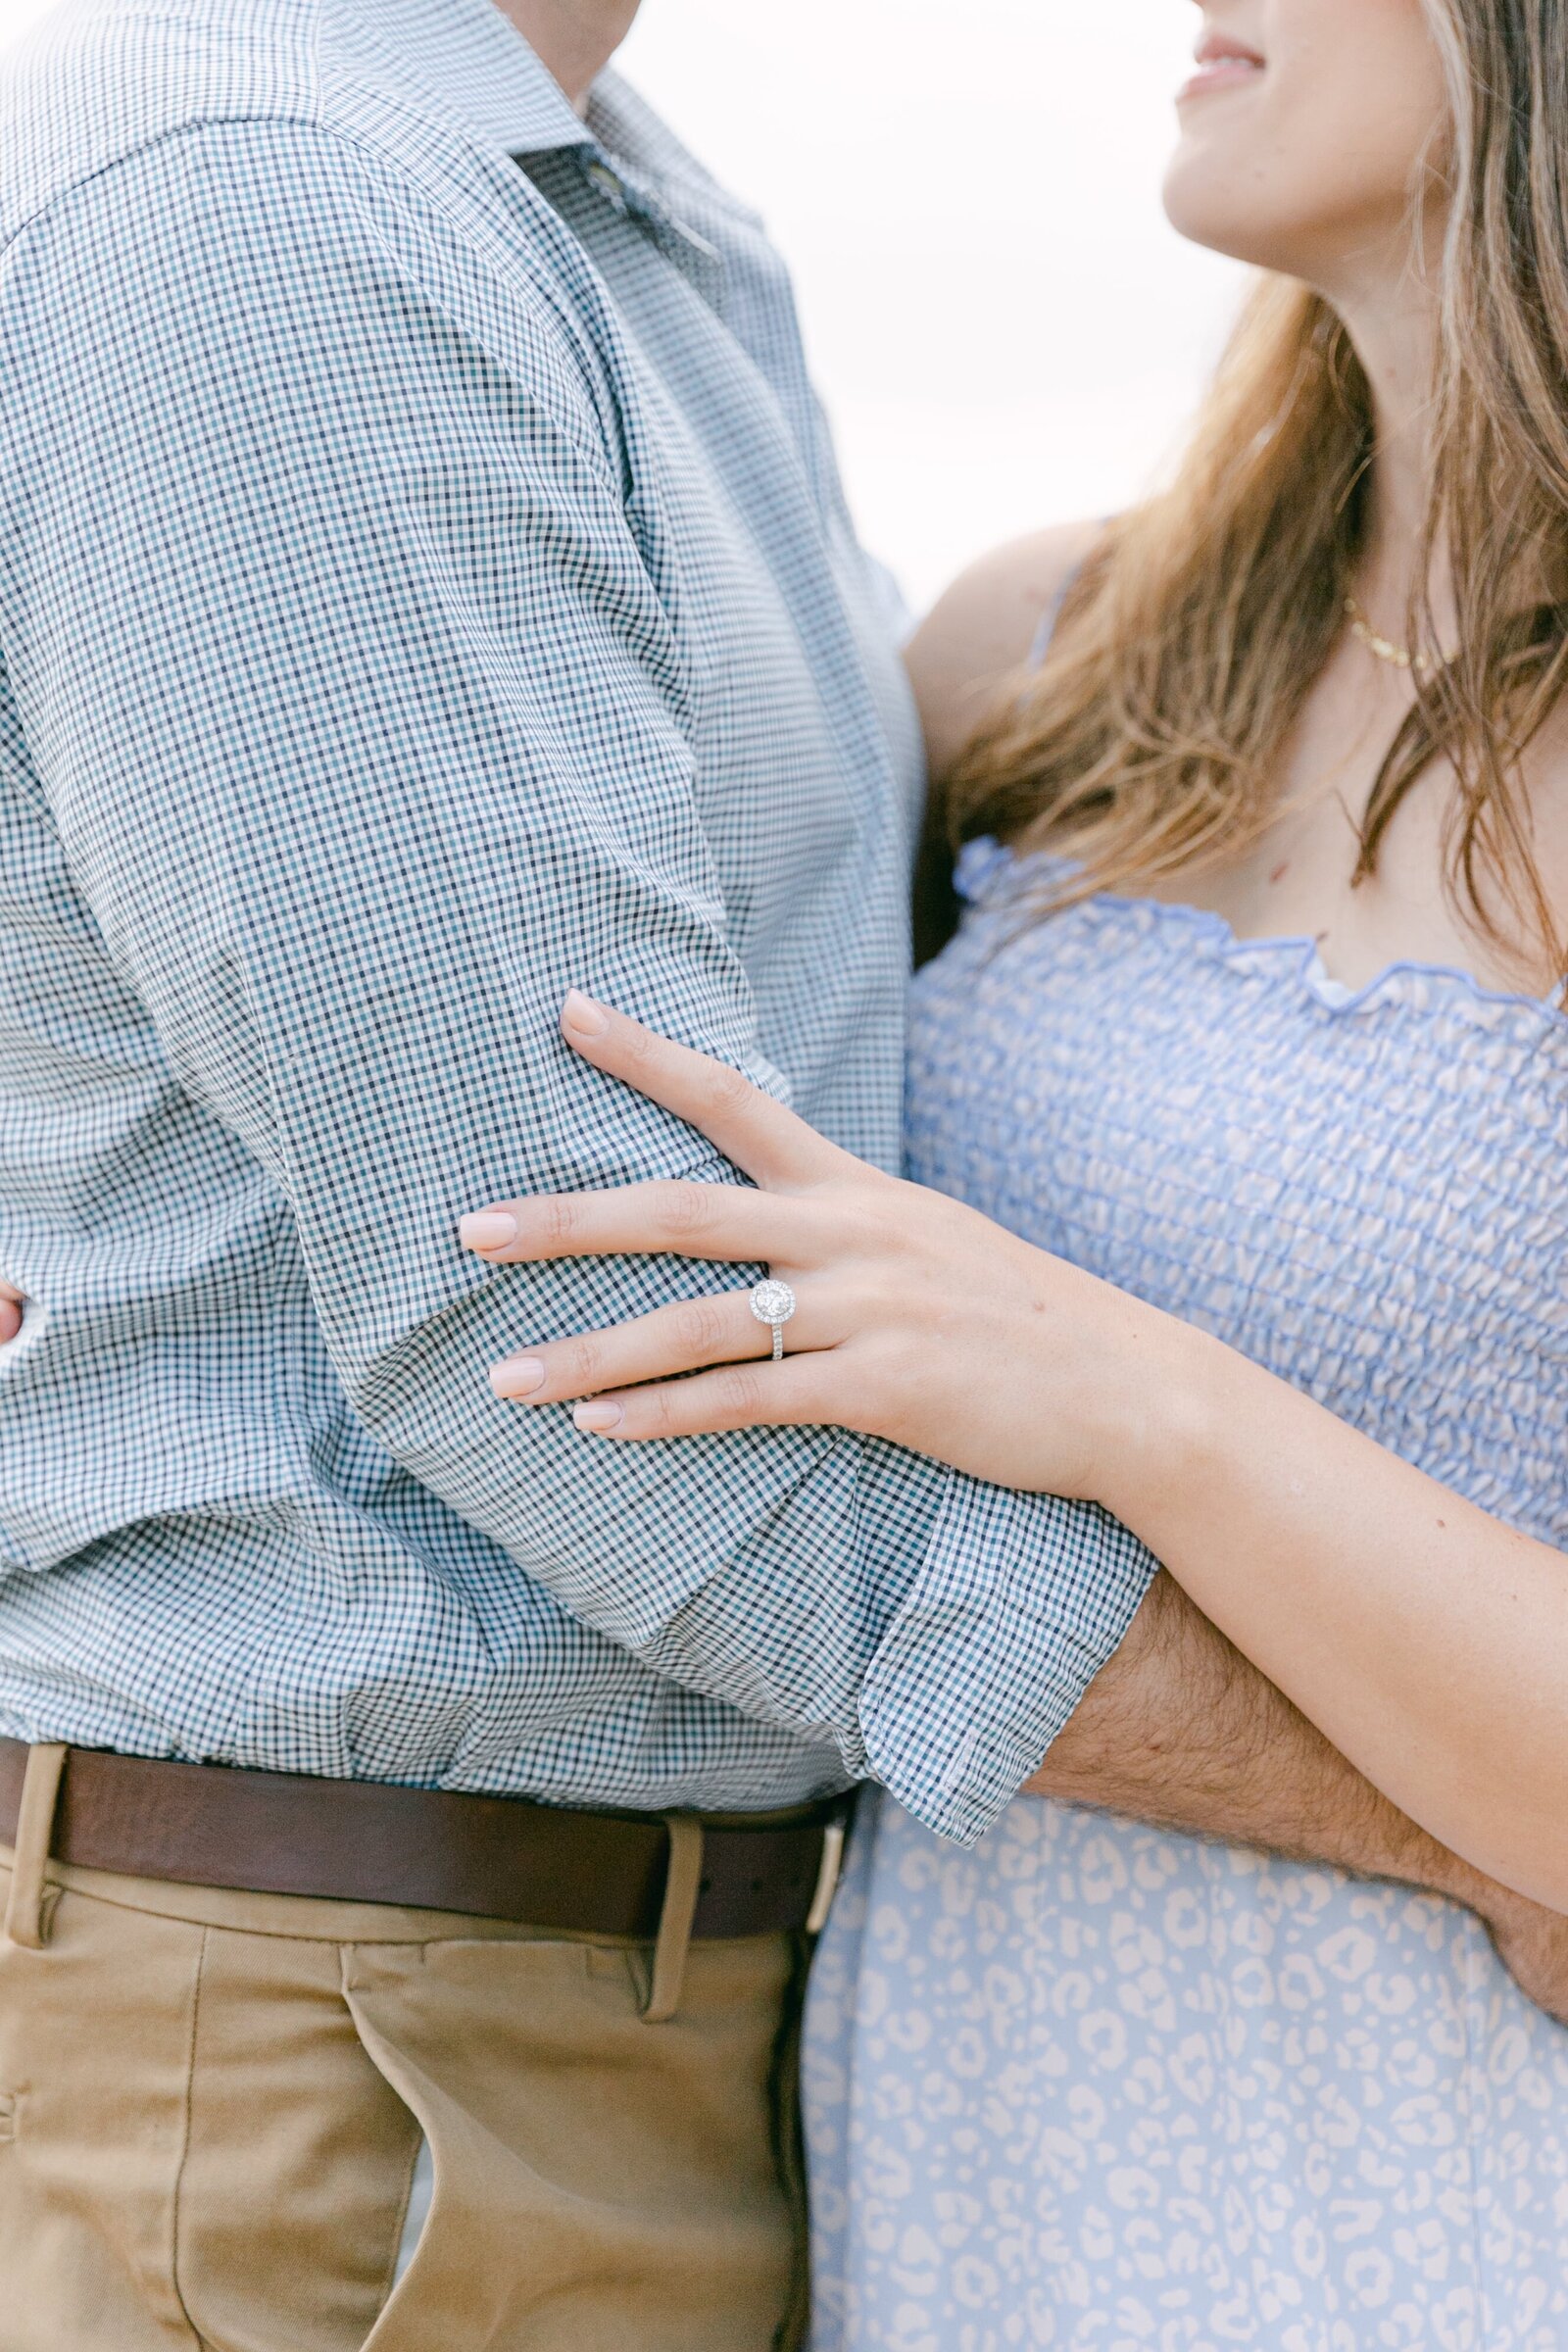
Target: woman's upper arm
{"points": [[985, 626]]}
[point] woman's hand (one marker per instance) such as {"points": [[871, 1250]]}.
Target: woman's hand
{"points": [[12, 1304], [1426, 1640], [918, 1320]]}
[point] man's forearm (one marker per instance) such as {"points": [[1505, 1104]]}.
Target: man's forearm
{"points": [[1182, 1731]]}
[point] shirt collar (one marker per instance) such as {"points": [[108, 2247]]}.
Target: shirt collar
{"points": [[477, 64]]}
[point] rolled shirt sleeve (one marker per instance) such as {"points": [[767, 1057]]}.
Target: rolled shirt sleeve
{"points": [[364, 723]]}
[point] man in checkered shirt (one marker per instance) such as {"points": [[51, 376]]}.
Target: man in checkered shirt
{"points": [[424, 585]]}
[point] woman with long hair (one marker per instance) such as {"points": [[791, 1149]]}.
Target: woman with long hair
{"points": [[1239, 1133]]}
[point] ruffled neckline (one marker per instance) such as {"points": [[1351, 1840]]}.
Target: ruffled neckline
{"points": [[990, 877]]}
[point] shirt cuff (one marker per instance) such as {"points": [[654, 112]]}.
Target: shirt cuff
{"points": [[1021, 1602]]}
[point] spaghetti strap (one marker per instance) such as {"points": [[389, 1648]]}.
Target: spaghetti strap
{"points": [[1041, 644]]}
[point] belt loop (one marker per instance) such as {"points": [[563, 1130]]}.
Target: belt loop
{"points": [[682, 1887], [835, 1836], [35, 1822]]}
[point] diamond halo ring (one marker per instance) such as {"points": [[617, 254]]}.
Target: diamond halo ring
{"points": [[773, 1302]]}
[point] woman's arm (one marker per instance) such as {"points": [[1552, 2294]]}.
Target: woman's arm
{"points": [[983, 628], [979, 633], [1428, 1642]]}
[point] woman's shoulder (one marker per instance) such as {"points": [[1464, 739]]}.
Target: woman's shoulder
{"points": [[984, 627]]}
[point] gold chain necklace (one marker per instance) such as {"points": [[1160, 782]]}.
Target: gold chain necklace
{"points": [[1383, 649]]}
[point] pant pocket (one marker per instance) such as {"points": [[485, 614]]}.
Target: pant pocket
{"points": [[95, 2051], [416, 2212], [299, 2157], [462, 2280], [600, 2184]]}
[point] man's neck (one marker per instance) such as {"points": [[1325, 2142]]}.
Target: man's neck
{"points": [[576, 38]]}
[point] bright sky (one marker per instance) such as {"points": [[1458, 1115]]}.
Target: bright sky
{"points": [[1005, 331]]}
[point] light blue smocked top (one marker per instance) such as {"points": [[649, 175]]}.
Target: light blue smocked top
{"points": [[1103, 2087], [1364, 1190]]}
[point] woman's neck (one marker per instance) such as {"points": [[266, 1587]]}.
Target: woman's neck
{"points": [[1394, 329]]}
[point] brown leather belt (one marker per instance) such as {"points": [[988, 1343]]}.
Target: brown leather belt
{"points": [[493, 1857]]}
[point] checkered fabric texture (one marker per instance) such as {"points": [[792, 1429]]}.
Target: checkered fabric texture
{"points": [[424, 585]]}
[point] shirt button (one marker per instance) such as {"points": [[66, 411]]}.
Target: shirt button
{"points": [[604, 179]]}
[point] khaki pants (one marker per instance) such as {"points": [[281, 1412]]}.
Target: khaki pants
{"points": [[211, 2105]]}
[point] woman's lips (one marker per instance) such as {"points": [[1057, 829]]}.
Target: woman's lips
{"points": [[1227, 71]]}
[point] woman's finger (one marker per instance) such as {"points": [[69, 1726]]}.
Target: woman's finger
{"points": [[687, 1338], [803, 1390], [11, 1304], [769, 1143], [673, 1220]]}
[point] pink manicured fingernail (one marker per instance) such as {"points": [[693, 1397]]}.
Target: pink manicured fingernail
{"points": [[597, 1418], [491, 1231], [518, 1378], [582, 1013]]}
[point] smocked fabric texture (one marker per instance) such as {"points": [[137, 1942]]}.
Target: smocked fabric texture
{"points": [[1094, 2085], [425, 587]]}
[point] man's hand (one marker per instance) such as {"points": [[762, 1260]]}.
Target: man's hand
{"points": [[12, 1304], [1181, 1731]]}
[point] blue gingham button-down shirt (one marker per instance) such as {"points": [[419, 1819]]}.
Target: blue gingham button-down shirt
{"points": [[424, 585]]}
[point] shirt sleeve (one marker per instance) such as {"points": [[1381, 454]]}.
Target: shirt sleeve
{"points": [[365, 730]]}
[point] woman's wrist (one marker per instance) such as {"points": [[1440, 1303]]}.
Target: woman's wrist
{"points": [[1170, 1408]]}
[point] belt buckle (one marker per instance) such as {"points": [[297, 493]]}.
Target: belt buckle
{"points": [[835, 1835]]}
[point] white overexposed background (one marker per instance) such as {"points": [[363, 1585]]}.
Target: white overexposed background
{"points": [[1005, 331]]}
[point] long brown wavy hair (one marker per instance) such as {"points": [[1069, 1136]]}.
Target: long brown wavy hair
{"points": [[1153, 739]]}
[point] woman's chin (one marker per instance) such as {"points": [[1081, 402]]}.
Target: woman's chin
{"points": [[1216, 206]]}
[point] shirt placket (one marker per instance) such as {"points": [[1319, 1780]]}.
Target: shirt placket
{"points": [[698, 259]]}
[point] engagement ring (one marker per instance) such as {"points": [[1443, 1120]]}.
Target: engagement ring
{"points": [[773, 1303]]}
